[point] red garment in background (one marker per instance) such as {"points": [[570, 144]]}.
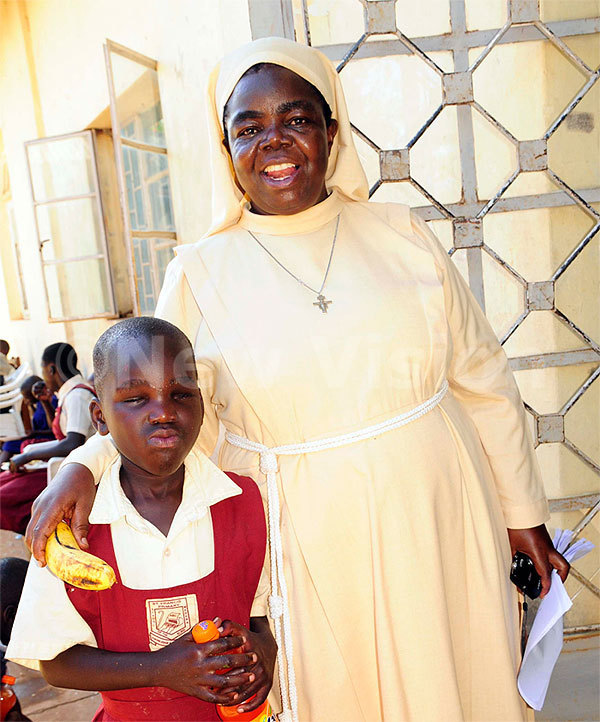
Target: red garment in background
{"points": [[19, 491], [27, 442], [17, 494], [122, 618]]}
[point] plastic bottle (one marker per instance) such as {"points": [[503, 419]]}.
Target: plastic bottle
{"points": [[206, 631], [8, 699]]}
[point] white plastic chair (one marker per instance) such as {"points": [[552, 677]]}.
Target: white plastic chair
{"points": [[11, 424], [53, 466]]}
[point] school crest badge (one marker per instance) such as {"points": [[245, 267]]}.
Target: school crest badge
{"points": [[169, 618]]}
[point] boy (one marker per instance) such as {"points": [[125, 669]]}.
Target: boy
{"points": [[71, 427], [186, 542]]}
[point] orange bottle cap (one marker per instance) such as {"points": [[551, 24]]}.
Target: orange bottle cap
{"points": [[262, 714], [205, 631], [8, 679]]}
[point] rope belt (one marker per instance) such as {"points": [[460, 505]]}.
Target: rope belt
{"points": [[278, 604]]}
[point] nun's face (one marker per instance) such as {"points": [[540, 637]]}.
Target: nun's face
{"points": [[279, 141]]}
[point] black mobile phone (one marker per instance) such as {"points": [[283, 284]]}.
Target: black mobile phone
{"points": [[524, 575]]}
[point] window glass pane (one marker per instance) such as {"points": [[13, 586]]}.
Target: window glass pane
{"points": [[160, 202], [148, 190], [485, 15], [133, 182], [379, 109], [78, 288], [61, 168], [69, 229], [427, 17], [332, 21], [505, 90], [151, 258], [555, 10], [138, 101]]}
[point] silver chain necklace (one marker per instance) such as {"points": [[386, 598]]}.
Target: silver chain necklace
{"points": [[321, 301]]}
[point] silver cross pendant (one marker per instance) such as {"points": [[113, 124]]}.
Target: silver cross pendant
{"points": [[322, 303]]}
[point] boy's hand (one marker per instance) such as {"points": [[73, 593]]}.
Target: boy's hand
{"points": [[191, 668], [261, 642]]}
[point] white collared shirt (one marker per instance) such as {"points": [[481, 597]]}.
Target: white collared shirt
{"points": [[145, 557], [75, 414]]}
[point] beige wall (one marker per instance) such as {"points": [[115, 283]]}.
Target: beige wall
{"points": [[53, 81]]}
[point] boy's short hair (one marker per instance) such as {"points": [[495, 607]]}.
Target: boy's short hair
{"points": [[4, 346], [63, 356], [131, 329]]}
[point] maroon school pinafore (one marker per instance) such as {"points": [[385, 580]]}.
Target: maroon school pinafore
{"points": [[130, 620]]}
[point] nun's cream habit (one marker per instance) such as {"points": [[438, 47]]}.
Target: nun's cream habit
{"points": [[395, 548]]}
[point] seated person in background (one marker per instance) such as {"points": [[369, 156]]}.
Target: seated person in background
{"points": [[186, 541], [6, 366], [37, 412], [71, 426], [12, 578]]}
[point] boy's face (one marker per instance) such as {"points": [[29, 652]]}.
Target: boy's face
{"points": [[150, 403]]}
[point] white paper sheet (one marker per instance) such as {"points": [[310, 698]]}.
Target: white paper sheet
{"points": [[546, 635]]}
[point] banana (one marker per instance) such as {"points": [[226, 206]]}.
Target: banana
{"points": [[74, 566]]}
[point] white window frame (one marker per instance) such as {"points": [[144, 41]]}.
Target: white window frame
{"points": [[111, 312], [118, 143]]}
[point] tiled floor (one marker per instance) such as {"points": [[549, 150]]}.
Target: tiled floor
{"points": [[574, 694]]}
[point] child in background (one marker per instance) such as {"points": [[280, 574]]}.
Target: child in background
{"points": [[37, 412], [12, 578], [71, 426], [186, 541], [6, 366]]}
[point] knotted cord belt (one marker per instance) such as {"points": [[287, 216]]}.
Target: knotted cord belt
{"points": [[278, 600]]}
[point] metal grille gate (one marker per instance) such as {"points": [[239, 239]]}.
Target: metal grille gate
{"points": [[383, 36]]}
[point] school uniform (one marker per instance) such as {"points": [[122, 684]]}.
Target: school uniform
{"points": [[18, 491], [209, 564]]}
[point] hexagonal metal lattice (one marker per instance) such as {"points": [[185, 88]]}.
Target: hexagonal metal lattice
{"points": [[533, 155], [394, 164], [523, 24]]}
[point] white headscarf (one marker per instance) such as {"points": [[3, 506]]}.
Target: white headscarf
{"points": [[344, 171]]}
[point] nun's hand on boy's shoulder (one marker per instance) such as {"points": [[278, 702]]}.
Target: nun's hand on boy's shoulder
{"points": [[257, 639], [193, 669]]}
